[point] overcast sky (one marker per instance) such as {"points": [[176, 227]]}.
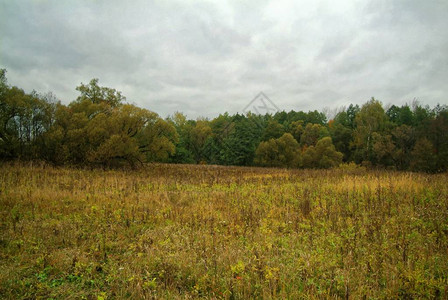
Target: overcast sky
{"points": [[208, 57]]}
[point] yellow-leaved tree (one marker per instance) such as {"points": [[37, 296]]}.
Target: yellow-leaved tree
{"points": [[323, 155], [282, 152]]}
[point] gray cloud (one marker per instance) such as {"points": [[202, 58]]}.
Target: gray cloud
{"points": [[207, 57]]}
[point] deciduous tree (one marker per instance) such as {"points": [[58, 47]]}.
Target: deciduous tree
{"points": [[370, 119], [323, 155], [281, 152]]}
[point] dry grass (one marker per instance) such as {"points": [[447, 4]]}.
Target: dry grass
{"points": [[178, 231]]}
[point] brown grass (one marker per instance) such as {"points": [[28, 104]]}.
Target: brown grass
{"points": [[187, 231]]}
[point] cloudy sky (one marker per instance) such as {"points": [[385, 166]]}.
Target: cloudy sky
{"points": [[207, 57]]}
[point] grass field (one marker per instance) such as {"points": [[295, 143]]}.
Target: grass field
{"points": [[183, 231]]}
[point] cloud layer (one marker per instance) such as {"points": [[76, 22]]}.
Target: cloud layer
{"points": [[208, 57]]}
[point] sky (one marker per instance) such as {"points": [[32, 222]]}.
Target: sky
{"points": [[204, 58]]}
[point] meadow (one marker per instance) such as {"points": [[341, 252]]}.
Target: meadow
{"points": [[191, 231]]}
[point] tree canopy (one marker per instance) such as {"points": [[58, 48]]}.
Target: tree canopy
{"points": [[101, 128]]}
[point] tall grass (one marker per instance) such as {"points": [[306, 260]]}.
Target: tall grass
{"points": [[187, 231]]}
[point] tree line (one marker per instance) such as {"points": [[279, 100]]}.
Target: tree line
{"points": [[101, 128]]}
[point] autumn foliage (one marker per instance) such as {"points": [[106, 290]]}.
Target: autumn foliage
{"points": [[169, 231], [100, 128]]}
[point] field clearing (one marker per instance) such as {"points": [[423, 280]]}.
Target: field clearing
{"points": [[191, 231]]}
